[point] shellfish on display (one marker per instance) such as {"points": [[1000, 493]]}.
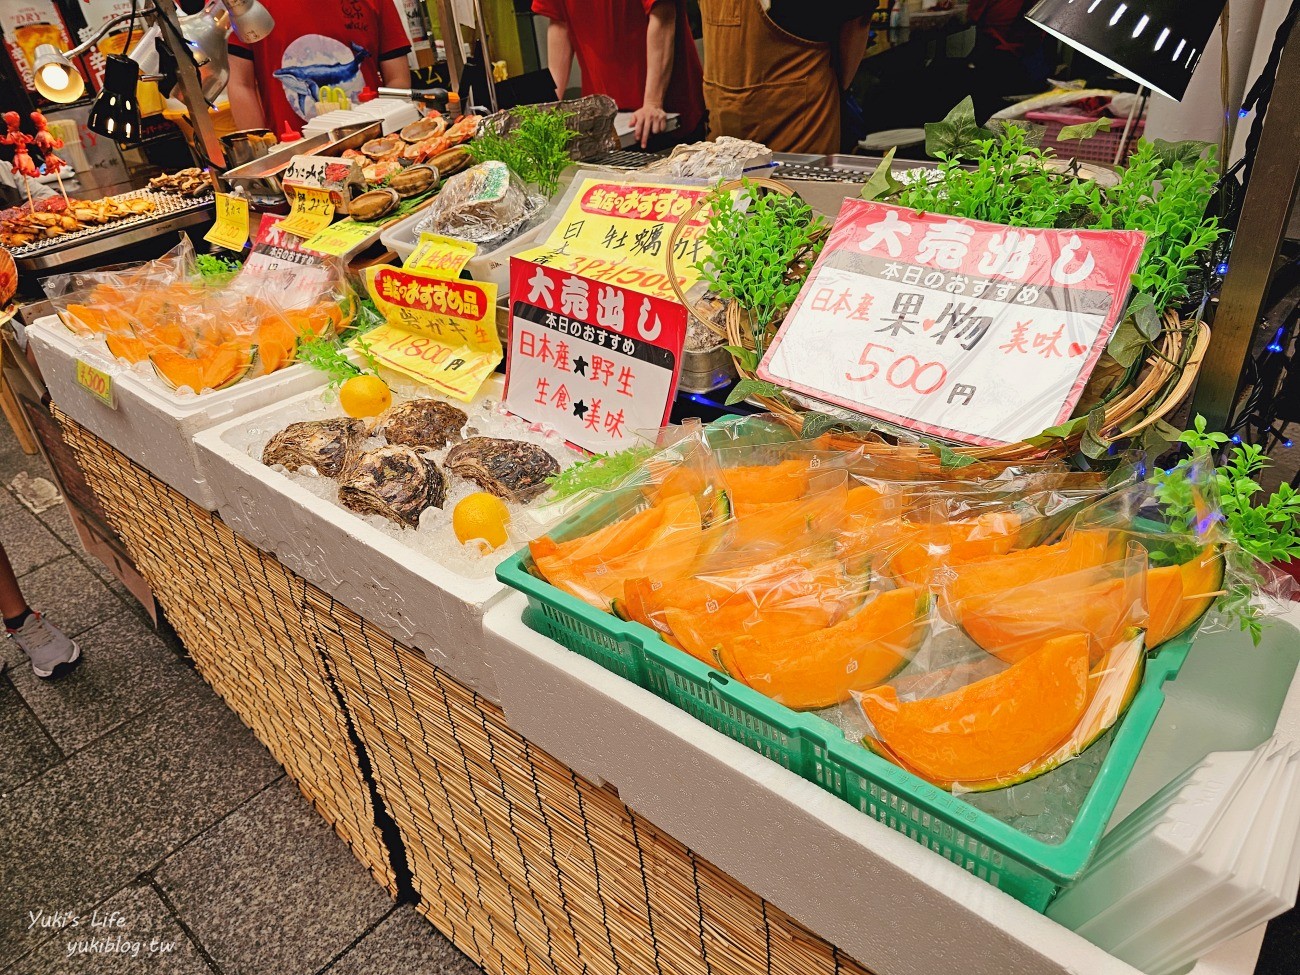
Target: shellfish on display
{"points": [[326, 446], [397, 482], [374, 204], [510, 469], [425, 128], [421, 423]]}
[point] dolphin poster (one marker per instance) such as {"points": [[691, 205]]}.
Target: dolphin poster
{"points": [[313, 61]]}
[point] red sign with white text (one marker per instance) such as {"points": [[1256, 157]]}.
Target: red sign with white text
{"points": [[960, 329], [593, 360]]}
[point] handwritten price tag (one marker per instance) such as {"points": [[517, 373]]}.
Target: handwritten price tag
{"points": [[340, 238], [441, 332], [96, 382], [312, 212], [231, 229], [439, 255]]}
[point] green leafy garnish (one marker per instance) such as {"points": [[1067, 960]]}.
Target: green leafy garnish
{"points": [[535, 147], [216, 270], [599, 472], [1268, 531], [762, 247], [328, 356]]}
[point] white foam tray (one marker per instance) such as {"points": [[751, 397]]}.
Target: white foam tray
{"points": [[151, 424], [891, 904], [417, 600]]}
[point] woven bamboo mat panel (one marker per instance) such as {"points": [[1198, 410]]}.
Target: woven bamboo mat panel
{"points": [[527, 867], [524, 864], [238, 614]]}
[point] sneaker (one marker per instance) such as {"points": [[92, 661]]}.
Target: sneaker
{"points": [[51, 653]]}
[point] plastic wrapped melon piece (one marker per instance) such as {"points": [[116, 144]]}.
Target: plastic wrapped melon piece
{"points": [[483, 203]]}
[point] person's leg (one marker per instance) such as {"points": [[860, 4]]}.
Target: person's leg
{"points": [[50, 652]]}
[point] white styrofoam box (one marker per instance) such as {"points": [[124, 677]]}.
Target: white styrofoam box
{"points": [[151, 424], [394, 112], [417, 600], [893, 905]]}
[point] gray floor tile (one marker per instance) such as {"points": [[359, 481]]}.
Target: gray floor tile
{"points": [[404, 944], [57, 520], [28, 543], [70, 594], [272, 888], [125, 669], [25, 748], [8, 503], [13, 460], [130, 933], [89, 826]]}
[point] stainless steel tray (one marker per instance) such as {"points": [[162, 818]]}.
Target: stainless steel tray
{"points": [[172, 212], [260, 179]]}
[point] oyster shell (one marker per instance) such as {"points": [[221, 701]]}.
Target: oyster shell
{"points": [[328, 446], [421, 423], [397, 482], [510, 469]]}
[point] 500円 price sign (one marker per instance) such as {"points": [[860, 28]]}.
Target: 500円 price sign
{"points": [[965, 330], [593, 360]]}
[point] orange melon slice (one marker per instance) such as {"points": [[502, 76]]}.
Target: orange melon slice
{"points": [[780, 523], [991, 729], [128, 347], [1014, 624], [1025, 567], [766, 484], [820, 669], [214, 368], [614, 539], [670, 549], [1200, 582], [953, 543]]}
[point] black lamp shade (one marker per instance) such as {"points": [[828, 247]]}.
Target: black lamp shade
{"points": [[115, 112], [1157, 43]]}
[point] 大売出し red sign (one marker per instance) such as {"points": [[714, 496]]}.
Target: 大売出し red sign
{"points": [[591, 359], [960, 329]]}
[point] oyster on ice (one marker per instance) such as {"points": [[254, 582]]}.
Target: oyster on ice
{"points": [[510, 469], [398, 482], [328, 446], [421, 423]]}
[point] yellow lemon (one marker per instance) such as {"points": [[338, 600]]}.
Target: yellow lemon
{"points": [[365, 395], [481, 516]]}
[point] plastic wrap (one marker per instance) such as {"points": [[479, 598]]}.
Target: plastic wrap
{"points": [[1029, 678], [196, 333], [486, 204], [724, 158]]}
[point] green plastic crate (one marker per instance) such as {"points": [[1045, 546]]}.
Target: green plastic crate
{"points": [[1028, 869]]}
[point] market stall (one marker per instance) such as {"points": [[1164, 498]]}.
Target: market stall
{"points": [[870, 675]]}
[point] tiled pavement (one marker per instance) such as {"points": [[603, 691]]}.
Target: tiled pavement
{"points": [[129, 794]]}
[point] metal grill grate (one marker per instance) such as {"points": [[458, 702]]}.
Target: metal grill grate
{"points": [[166, 205]]}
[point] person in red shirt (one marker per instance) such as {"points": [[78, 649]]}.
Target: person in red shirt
{"points": [[639, 52], [348, 44]]}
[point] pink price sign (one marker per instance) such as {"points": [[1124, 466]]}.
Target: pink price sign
{"points": [[593, 360], [970, 331]]}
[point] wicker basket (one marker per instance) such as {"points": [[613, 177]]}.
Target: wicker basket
{"points": [[1163, 381]]}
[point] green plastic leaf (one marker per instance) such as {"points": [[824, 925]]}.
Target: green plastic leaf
{"points": [[956, 133], [1142, 309], [752, 387], [1158, 438], [1062, 431], [949, 458], [1093, 444], [1185, 152], [1084, 130], [882, 182], [746, 357], [1126, 345]]}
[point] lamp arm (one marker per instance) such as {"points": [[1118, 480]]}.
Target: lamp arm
{"points": [[84, 46]]}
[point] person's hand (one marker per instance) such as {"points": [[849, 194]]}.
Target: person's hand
{"points": [[648, 120]]}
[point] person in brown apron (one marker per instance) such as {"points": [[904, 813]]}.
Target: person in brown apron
{"points": [[763, 82]]}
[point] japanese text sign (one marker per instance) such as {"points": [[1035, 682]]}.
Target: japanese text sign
{"points": [[440, 332], [960, 329], [593, 360], [278, 263], [444, 256], [618, 233], [231, 227], [310, 213]]}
